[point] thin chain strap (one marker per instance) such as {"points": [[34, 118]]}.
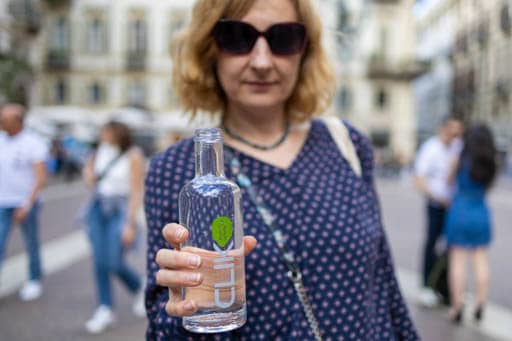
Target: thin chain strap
{"points": [[306, 305], [294, 273]]}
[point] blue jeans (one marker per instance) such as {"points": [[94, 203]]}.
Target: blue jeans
{"points": [[105, 220], [30, 231]]}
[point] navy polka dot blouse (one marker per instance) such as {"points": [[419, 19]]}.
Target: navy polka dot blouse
{"points": [[331, 220]]}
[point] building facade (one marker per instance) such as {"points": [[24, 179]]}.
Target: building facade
{"points": [[100, 55], [481, 57], [436, 30], [470, 45], [375, 76]]}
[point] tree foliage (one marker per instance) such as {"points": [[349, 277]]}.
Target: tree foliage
{"points": [[14, 73]]}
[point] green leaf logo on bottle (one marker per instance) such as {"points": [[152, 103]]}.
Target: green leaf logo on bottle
{"points": [[222, 230], [224, 264]]}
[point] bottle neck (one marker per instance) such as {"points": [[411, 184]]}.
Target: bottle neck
{"points": [[209, 158]]}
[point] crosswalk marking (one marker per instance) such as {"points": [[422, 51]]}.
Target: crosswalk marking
{"points": [[56, 255]]}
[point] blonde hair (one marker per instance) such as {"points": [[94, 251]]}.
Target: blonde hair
{"points": [[194, 54]]}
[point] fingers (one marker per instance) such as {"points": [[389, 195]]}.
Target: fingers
{"points": [[177, 307], [249, 244], [172, 259], [175, 234], [175, 269], [173, 278]]}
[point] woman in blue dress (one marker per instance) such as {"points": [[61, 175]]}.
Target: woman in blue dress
{"points": [[468, 224]]}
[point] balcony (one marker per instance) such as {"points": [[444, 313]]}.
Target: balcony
{"points": [[386, 2], [136, 60], [58, 60], [55, 4], [26, 15], [379, 67]]}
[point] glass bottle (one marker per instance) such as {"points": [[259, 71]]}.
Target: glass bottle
{"points": [[210, 207]]}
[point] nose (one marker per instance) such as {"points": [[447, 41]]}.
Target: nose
{"points": [[261, 55]]}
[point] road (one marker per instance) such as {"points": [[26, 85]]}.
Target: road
{"points": [[69, 296]]}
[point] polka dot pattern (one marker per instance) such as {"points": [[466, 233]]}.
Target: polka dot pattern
{"points": [[330, 219]]}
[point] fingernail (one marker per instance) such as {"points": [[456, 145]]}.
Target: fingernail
{"points": [[179, 233], [193, 277], [188, 306], [194, 261]]}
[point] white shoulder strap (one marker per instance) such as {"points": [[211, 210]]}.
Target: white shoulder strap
{"points": [[339, 133]]}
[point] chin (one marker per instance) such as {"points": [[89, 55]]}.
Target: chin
{"points": [[261, 102]]}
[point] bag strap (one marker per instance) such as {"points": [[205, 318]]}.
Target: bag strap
{"points": [[341, 136], [109, 166], [294, 273]]}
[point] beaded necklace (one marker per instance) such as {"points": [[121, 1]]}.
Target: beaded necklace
{"points": [[255, 145]]}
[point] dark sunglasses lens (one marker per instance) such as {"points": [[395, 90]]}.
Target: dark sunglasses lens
{"points": [[235, 37], [285, 39]]}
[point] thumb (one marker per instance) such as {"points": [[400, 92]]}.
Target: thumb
{"points": [[249, 244]]}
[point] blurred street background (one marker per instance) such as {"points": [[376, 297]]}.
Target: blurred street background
{"points": [[69, 297], [402, 65]]}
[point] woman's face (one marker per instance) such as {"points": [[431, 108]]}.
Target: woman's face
{"points": [[260, 80], [107, 136]]}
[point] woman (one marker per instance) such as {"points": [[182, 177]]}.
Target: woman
{"points": [[468, 223], [116, 172], [267, 87]]}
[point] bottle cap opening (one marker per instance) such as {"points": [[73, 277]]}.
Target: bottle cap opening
{"points": [[208, 135]]}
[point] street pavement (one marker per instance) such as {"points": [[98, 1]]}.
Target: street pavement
{"points": [[69, 297]]}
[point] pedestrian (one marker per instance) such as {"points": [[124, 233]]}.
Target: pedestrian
{"points": [[468, 221], [23, 156], [56, 158], [116, 172], [73, 160], [266, 88], [431, 171]]}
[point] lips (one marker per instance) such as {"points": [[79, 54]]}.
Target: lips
{"points": [[260, 83]]}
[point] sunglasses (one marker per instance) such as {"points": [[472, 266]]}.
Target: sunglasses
{"points": [[238, 37]]}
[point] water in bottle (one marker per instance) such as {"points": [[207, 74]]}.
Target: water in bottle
{"points": [[209, 206]]}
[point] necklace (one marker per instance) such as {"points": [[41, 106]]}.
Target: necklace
{"points": [[259, 146]]}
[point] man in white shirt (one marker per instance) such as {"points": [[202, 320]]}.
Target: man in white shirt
{"points": [[22, 177], [432, 170]]}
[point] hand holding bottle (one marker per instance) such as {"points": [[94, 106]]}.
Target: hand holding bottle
{"points": [[177, 269]]}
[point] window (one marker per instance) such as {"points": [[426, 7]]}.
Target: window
{"points": [[4, 42], [96, 94], [137, 94], [505, 22], [60, 92], [344, 99], [173, 99], [383, 41], [343, 17], [59, 37], [381, 99], [96, 39], [137, 36], [177, 22]]}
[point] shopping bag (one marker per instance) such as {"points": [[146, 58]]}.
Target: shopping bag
{"points": [[438, 277]]}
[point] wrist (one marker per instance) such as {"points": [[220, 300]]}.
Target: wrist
{"points": [[130, 224], [27, 206]]}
